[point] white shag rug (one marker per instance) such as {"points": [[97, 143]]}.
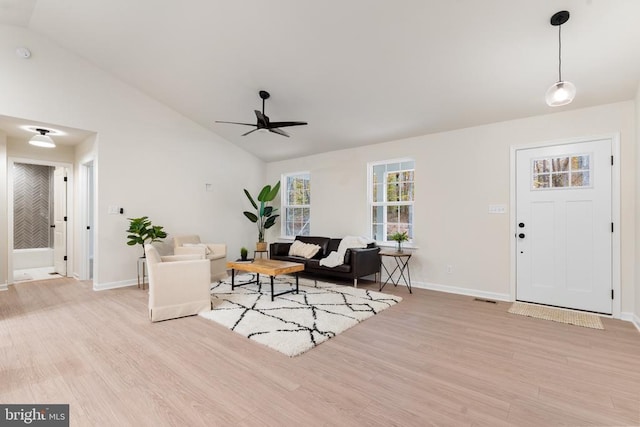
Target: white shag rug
{"points": [[293, 323]]}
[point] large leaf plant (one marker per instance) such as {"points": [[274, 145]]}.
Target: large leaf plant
{"points": [[265, 216]]}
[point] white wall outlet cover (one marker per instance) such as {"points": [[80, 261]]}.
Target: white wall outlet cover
{"points": [[23, 52]]}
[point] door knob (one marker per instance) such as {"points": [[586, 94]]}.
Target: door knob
{"points": [[521, 235]]}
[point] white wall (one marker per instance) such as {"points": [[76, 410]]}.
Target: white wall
{"points": [[458, 175], [637, 261], [151, 160]]}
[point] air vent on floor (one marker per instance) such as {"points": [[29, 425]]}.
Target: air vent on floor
{"points": [[485, 300]]}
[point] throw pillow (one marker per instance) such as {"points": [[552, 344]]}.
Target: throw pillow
{"points": [[305, 250]]}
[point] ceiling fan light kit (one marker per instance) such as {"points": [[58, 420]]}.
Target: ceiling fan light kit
{"points": [[263, 122], [42, 139], [561, 92]]}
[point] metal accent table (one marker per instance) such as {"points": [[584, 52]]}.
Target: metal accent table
{"points": [[142, 267], [401, 266]]}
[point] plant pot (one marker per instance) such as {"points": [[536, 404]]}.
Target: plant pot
{"points": [[400, 247], [261, 246]]}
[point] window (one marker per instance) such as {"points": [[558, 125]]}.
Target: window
{"points": [[561, 172], [296, 204], [391, 197]]}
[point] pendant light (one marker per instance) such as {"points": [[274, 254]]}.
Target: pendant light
{"points": [[561, 92], [42, 139]]}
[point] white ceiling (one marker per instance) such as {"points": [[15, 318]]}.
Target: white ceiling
{"points": [[359, 71]]}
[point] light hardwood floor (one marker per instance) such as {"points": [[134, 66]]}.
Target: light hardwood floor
{"points": [[433, 359]]}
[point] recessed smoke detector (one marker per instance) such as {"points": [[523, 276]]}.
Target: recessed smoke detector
{"points": [[23, 52]]}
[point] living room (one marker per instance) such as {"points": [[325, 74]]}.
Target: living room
{"points": [[152, 159]]}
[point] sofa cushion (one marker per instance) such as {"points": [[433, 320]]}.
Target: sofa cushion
{"points": [[306, 250], [314, 265]]}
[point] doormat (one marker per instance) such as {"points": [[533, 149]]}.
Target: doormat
{"points": [[292, 323], [586, 320]]}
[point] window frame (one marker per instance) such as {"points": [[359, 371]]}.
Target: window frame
{"points": [[371, 203], [284, 202]]}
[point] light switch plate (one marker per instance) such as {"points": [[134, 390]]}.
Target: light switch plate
{"points": [[497, 209]]}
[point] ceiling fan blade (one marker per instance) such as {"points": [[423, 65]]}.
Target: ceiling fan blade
{"points": [[236, 123], [251, 131], [279, 132], [286, 124], [263, 121]]}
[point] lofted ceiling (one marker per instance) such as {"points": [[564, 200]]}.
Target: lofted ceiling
{"points": [[358, 71]]}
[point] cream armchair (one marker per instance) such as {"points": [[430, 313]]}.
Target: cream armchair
{"points": [[179, 285], [215, 252]]}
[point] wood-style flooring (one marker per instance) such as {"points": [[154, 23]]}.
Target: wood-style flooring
{"points": [[433, 359]]}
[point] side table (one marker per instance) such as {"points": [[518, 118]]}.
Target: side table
{"points": [[142, 272], [401, 266], [262, 254]]}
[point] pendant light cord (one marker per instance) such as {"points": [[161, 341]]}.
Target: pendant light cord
{"points": [[559, 53]]}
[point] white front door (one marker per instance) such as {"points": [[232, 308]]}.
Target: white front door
{"points": [[564, 226], [60, 220]]}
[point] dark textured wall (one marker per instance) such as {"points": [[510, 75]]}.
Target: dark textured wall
{"points": [[32, 206]]}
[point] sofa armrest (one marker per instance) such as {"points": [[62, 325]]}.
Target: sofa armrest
{"points": [[365, 261], [218, 250], [279, 249]]}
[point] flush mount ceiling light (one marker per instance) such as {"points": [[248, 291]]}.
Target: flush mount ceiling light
{"points": [[561, 92], [42, 139]]}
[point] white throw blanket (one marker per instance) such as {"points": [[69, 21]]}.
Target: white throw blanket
{"points": [[336, 258]]}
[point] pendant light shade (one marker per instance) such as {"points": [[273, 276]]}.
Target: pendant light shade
{"points": [[42, 139], [561, 92]]}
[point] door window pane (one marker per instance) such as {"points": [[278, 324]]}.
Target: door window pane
{"points": [[561, 172]]}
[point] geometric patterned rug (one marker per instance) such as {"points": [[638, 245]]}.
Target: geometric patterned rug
{"points": [[571, 317], [293, 323]]}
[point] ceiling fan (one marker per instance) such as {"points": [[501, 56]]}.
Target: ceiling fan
{"points": [[264, 122]]}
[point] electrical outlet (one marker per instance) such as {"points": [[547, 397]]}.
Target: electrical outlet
{"points": [[449, 268]]}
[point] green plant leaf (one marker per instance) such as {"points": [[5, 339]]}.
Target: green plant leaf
{"points": [[252, 217], [264, 193], [273, 192], [267, 210], [250, 199], [271, 221]]}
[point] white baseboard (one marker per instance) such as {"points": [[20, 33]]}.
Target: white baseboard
{"points": [[114, 285], [4, 287], [630, 317], [461, 291]]}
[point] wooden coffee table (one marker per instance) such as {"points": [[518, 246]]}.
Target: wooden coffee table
{"points": [[270, 267]]}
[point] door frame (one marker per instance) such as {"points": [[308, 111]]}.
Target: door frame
{"points": [[87, 216], [10, 180], [615, 211]]}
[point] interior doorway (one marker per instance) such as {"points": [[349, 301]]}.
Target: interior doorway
{"points": [[87, 213], [38, 220]]}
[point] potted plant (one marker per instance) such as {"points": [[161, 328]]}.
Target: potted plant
{"points": [[141, 231], [399, 237], [265, 215], [243, 253]]}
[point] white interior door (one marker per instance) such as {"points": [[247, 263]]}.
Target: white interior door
{"points": [[60, 220], [564, 226]]}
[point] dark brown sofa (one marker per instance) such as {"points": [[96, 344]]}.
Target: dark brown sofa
{"points": [[357, 262]]}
